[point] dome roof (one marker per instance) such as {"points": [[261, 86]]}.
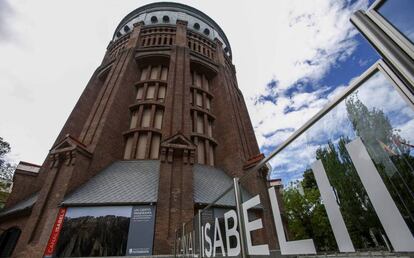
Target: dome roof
{"points": [[169, 13]]}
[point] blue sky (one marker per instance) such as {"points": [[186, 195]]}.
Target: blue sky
{"points": [[291, 57], [338, 77], [285, 105]]}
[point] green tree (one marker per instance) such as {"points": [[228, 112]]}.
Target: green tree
{"points": [[6, 171], [306, 215], [6, 168]]}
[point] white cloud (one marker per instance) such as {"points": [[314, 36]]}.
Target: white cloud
{"points": [[6, 15], [308, 38]]}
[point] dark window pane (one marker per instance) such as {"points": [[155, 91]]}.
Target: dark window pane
{"points": [[400, 13]]}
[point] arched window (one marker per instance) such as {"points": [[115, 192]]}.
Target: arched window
{"points": [[166, 19], [8, 241], [154, 19]]}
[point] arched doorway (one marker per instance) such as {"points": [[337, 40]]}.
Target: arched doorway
{"points": [[8, 240]]}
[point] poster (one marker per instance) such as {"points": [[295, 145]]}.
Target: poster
{"points": [[141, 231]]}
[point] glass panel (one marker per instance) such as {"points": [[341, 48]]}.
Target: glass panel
{"points": [[347, 182], [400, 14], [344, 185]]}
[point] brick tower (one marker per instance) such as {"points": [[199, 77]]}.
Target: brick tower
{"points": [[163, 106]]}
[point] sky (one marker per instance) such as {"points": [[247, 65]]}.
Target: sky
{"points": [[300, 154], [292, 57]]}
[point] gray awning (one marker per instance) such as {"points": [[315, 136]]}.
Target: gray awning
{"points": [[20, 206], [123, 182]]}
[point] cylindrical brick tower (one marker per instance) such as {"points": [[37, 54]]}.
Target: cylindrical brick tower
{"points": [[166, 92]]}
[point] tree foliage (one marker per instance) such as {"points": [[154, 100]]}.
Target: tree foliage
{"points": [[6, 168]]}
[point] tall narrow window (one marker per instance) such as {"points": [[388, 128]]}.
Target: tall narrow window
{"points": [[155, 146], [199, 99], [201, 151], [140, 92], [146, 117], [206, 84], [164, 73], [208, 103], [134, 120], [158, 118], [200, 124], [144, 73], [161, 92], [154, 72], [210, 129], [142, 144], [197, 80], [151, 92], [128, 148], [211, 155]]}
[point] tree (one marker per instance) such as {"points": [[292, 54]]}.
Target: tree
{"points": [[6, 168], [6, 171]]}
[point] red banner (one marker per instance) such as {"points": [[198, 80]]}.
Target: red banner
{"points": [[54, 236]]}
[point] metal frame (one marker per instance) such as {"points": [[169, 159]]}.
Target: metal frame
{"points": [[385, 46], [237, 195], [388, 28]]}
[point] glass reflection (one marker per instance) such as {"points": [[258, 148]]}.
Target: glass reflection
{"points": [[400, 14], [385, 123]]}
